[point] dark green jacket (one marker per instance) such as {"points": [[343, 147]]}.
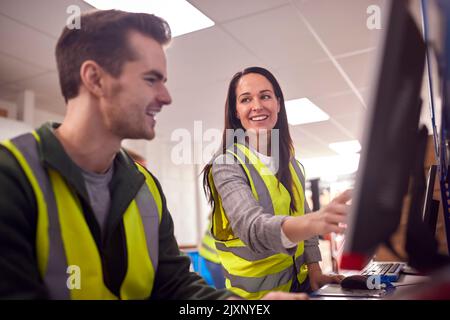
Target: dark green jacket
{"points": [[19, 275]]}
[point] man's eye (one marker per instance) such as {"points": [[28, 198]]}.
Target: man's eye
{"points": [[151, 81]]}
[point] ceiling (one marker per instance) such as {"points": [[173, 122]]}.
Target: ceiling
{"points": [[320, 49]]}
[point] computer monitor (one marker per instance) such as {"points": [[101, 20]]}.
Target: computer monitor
{"points": [[430, 205], [390, 140]]}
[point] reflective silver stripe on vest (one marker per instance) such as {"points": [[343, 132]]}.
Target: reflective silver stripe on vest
{"points": [[206, 247], [244, 252], [255, 284], [55, 275], [261, 189], [270, 282], [150, 219], [300, 175], [264, 200]]}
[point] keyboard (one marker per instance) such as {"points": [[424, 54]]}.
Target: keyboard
{"points": [[389, 271]]}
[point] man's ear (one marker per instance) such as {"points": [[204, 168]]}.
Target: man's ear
{"points": [[92, 77]]}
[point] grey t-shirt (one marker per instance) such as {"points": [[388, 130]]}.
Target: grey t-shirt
{"points": [[97, 186]]}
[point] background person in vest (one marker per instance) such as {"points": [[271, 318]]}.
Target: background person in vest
{"points": [[78, 218], [207, 250], [264, 240]]}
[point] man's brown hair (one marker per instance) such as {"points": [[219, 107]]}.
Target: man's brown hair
{"points": [[102, 38]]}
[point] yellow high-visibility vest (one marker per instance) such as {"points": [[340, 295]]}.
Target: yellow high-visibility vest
{"points": [[208, 248], [67, 255], [250, 274]]}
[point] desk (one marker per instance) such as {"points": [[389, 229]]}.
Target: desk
{"points": [[405, 288]]}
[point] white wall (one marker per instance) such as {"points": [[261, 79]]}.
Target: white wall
{"points": [[42, 116], [10, 128], [182, 187], [10, 107]]}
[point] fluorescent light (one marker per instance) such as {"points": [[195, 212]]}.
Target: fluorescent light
{"points": [[327, 167], [345, 147], [301, 111], [180, 14]]}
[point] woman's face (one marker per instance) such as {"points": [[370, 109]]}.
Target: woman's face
{"points": [[257, 106]]}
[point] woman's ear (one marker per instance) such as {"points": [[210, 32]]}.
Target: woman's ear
{"points": [[279, 105]]}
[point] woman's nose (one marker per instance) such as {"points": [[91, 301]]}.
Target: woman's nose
{"points": [[256, 105]]}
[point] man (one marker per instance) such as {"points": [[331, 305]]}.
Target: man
{"points": [[78, 218]]}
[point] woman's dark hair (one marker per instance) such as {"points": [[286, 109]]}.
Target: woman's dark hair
{"points": [[286, 152]]}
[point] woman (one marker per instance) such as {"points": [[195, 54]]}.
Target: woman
{"points": [[263, 237]]}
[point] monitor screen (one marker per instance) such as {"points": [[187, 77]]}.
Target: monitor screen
{"points": [[390, 138], [430, 207]]}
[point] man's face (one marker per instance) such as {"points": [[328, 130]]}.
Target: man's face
{"points": [[134, 98]]}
